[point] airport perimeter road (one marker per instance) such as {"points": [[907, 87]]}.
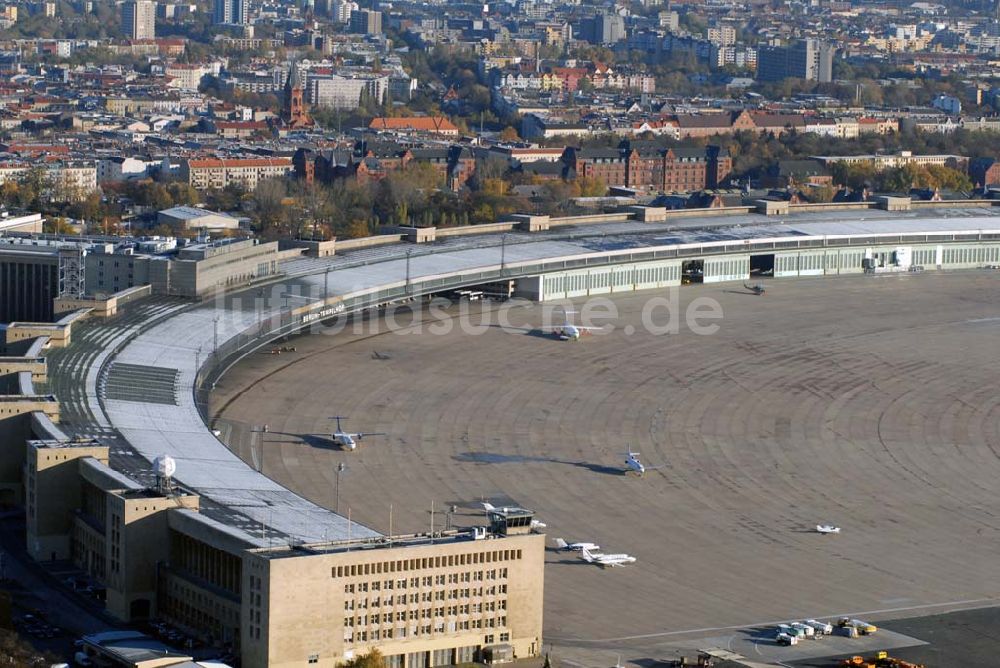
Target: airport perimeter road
{"points": [[869, 402]]}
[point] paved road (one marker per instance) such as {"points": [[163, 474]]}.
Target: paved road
{"points": [[871, 402], [35, 590]]}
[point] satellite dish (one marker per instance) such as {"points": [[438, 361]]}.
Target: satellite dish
{"points": [[165, 466]]}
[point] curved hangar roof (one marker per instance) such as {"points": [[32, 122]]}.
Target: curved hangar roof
{"points": [[167, 353]]}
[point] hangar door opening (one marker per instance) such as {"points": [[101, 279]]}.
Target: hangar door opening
{"points": [[762, 266], [693, 271]]}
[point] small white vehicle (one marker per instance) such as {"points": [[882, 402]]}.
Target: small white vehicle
{"points": [[821, 628], [785, 639], [806, 630], [796, 632]]}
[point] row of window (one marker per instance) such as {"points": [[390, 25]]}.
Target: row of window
{"points": [[423, 563], [426, 581], [423, 597], [424, 613], [352, 636]]}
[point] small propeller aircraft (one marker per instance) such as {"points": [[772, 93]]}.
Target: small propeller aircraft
{"points": [[827, 528], [577, 547], [756, 288], [347, 440]]}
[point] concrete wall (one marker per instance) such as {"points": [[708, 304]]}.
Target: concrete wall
{"points": [[36, 366], [368, 242], [58, 335], [303, 599], [100, 307], [138, 541], [15, 430], [493, 228], [53, 493], [591, 219]]}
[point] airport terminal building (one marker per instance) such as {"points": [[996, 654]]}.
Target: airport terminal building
{"points": [[106, 446]]}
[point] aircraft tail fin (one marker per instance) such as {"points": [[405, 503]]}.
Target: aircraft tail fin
{"points": [[561, 544], [587, 556], [488, 506]]}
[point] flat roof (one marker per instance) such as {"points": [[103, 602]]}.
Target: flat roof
{"points": [[133, 647], [446, 537], [188, 212], [239, 495]]}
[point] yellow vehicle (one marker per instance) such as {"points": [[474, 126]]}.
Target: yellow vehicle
{"points": [[863, 628]]}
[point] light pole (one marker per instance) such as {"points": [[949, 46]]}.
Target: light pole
{"points": [[257, 445], [341, 468], [503, 252], [409, 252], [326, 284]]}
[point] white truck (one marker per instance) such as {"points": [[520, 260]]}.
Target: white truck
{"points": [[807, 631], [821, 628]]}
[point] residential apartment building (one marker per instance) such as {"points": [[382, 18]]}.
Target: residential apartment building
{"points": [[139, 19], [649, 167], [207, 173], [891, 160], [722, 35], [366, 22], [806, 59], [188, 76], [67, 181], [344, 92], [230, 12]]}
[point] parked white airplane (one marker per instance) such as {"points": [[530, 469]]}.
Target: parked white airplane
{"points": [[570, 332], [606, 560], [347, 440], [827, 528], [577, 547], [633, 463], [535, 524]]}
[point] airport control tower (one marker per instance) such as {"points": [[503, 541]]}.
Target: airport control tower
{"points": [[510, 521]]}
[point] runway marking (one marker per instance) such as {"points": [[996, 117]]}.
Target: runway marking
{"points": [[775, 622]]}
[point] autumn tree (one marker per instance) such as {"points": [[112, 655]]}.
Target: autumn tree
{"points": [[509, 134], [373, 659], [590, 186]]}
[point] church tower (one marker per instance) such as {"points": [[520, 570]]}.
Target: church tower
{"points": [[295, 114]]}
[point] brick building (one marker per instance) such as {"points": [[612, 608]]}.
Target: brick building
{"points": [[374, 161], [646, 166], [984, 171]]}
